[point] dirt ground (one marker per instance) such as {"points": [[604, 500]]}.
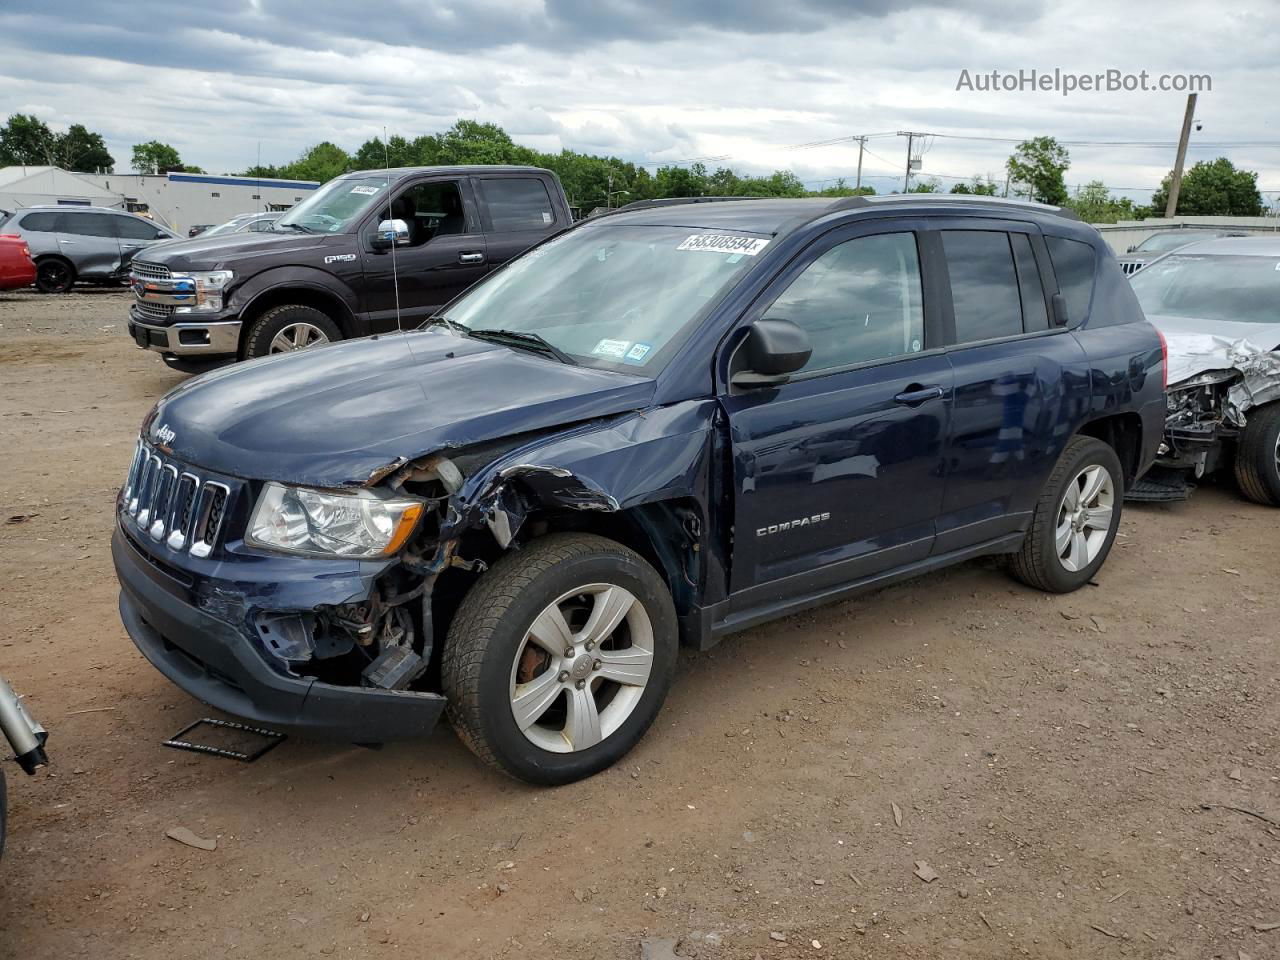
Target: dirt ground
{"points": [[1066, 765]]}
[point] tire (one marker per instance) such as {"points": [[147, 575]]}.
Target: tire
{"points": [[269, 331], [1043, 562], [491, 646], [1257, 465], [54, 275]]}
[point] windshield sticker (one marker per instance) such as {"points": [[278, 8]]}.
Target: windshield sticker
{"points": [[638, 352], [614, 349], [365, 191], [723, 243]]}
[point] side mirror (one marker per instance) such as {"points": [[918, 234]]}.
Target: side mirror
{"points": [[1132, 247], [1059, 304], [774, 349], [390, 233]]}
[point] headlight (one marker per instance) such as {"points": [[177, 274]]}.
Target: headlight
{"points": [[316, 522], [208, 285]]}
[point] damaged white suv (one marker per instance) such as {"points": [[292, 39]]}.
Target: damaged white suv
{"points": [[1217, 303]]}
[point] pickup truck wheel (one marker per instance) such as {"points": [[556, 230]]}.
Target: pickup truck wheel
{"points": [[1075, 520], [287, 328], [1258, 456], [54, 275], [559, 658]]}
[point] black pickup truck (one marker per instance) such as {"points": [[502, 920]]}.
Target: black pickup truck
{"points": [[365, 252], [661, 426]]}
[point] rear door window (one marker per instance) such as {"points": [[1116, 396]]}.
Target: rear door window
{"points": [[517, 203], [40, 222], [89, 224], [1074, 264], [984, 284]]}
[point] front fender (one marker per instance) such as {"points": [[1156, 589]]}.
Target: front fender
{"points": [[251, 292]]}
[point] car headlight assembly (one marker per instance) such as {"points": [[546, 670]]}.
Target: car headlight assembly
{"points": [[361, 524], [206, 290]]}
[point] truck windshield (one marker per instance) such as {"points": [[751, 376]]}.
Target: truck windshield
{"points": [[612, 295], [1245, 289], [333, 207]]}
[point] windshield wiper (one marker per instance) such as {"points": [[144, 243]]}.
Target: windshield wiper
{"points": [[441, 320], [529, 341], [296, 226]]}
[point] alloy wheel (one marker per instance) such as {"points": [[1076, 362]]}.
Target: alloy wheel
{"points": [[297, 336], [1084, 518], [582, 668]]}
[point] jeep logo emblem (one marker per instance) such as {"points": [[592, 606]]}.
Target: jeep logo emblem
{"points": [[164, 434]]}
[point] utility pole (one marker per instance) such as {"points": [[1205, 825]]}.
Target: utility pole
{"points": [[608, 193], [1175, 182], [913, 159], [862, 142]]}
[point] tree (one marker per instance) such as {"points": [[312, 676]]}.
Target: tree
{"points": [[27, 140], [1093, 203], [976, 187], [157, 157], [1040, 163], [926, 185], [1212, 189], [82, 151]]}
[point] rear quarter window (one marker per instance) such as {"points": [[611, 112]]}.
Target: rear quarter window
{"points": [[517, 203], [1074, 263], [40, 222]]}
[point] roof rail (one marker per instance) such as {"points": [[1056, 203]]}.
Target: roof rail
{"points": [[678, 201], [849, 203]]}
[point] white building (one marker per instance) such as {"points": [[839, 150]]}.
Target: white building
{"points": [[183, 200], [179, 200], [36, 186]]}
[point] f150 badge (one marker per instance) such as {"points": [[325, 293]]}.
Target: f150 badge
{"points": [[164, 434], [340, 258], [792, 524]]}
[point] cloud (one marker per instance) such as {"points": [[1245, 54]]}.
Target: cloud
{"points": [[646, 80]]}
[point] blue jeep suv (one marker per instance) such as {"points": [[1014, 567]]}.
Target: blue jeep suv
{"points": [[662, 425]]}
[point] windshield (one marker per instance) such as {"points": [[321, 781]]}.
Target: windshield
{"points": [[1170, 240], [612, 295], [1243, 289], [333, 207]]}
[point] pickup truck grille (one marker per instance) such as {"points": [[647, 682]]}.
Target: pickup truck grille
{"points": [[172, 504], [150, 271], [153, 312]]}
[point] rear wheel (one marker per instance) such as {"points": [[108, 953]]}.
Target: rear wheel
{"points": [[560, 657], [1075, 520], [287, 328], [1258, 456], [54, 275]]}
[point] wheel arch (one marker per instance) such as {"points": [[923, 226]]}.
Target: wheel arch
{"points": [[302, 294], [1123, 433]]}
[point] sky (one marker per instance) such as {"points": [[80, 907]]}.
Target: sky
{"points": [[739, 82]]}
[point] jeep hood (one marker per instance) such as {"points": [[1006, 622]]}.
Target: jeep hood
{"points": [[338, 415]]}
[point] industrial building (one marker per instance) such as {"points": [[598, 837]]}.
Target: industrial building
{"points": [[178, 200]]}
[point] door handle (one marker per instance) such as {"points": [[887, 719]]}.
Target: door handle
{"points": [[916, 394], [471, 256]]}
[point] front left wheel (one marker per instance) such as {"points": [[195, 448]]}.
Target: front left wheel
{"points": [[1257, 465], [560, 657]]}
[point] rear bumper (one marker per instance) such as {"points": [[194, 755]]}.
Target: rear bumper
{"points": [[221, 666], [219, 338]]}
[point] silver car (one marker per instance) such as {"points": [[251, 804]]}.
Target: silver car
{"points": [[1162, 242], [244, 223], [82, 243]]}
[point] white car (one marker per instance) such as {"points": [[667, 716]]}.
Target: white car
{"points": [[1217, 304]]}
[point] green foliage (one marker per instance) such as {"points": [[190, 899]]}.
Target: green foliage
{"points": [[1094, 204], [1211, 189], [977, 187], [1040, 163], [156, 157], [926, 185], [27, 140]]}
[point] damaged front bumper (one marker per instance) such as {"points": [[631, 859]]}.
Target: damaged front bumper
{"points": [[219, 661]]}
